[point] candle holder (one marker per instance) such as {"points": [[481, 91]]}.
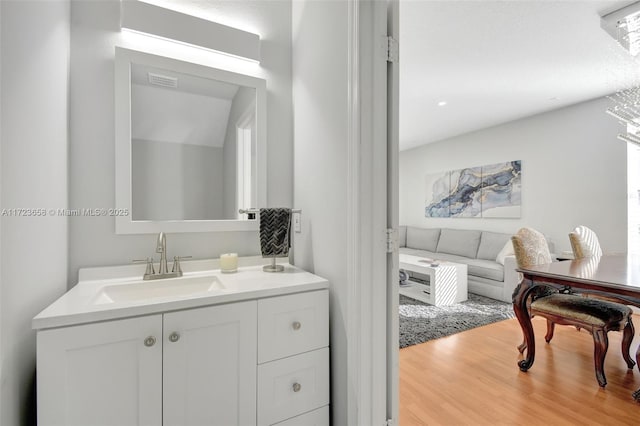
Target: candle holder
{"points": [[229, 263]]}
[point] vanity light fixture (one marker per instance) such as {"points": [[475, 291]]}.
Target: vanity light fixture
{"points": [[624, 26], [167, 24]]}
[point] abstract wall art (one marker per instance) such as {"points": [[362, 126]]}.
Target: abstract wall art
{"points": [[501, 189], [492, 190], [464, 192], [437, 201]]}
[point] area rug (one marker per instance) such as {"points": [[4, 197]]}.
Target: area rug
{"points": [[420, 322]]}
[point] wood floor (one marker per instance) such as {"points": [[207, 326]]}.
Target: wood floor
{"points": [[471, 378]]}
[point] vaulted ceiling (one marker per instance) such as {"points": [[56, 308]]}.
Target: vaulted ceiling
{"points": [[490, 62]]}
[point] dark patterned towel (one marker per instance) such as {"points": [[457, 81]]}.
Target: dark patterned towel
{"points": [[275, 226]]}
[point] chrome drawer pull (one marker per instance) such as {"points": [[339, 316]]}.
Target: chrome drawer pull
{"points": [[296, 325], [150, 341], [174, 337], [297, 387]]}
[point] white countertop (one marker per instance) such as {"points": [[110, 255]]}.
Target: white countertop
{"points": [[79, 306]]}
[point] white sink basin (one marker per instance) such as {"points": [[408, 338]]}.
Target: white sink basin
{"points": [[158, 289]]}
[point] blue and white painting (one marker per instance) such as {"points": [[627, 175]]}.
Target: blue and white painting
{"points": [[502, 189], [487, 191], [437, 195], [464, 192]]}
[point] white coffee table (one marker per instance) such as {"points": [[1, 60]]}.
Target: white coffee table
{"points": [[448, 280]]}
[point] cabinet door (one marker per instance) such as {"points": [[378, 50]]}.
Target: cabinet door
{"points": [[105, 373], [209, 370]]}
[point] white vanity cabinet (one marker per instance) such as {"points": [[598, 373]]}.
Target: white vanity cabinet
{"points": [[293, 356], [189, 367], [263, 361], [209, 366], [101, 374]]}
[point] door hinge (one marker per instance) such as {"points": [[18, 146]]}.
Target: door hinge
{"points": [[392, 240], [393, 49]]}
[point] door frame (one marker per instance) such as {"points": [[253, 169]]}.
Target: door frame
{"points": [[372, 377]]}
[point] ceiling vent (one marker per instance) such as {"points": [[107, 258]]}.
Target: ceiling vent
{"points": [[163, 80]]}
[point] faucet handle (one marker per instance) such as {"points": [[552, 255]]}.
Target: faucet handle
{"points": [[149, 261], [176, 263]]}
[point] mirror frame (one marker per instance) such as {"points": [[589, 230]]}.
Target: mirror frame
{"points": [[125, 224]]}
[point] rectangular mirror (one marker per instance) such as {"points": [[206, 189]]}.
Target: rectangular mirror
{"points": [[190, 145]]}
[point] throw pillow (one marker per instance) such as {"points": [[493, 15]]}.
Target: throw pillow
{"points": [[507, 250]]}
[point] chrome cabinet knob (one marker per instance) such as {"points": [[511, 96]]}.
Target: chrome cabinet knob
{"points": [[296, 387], [150, 341], [174, 337], [296, 325]]}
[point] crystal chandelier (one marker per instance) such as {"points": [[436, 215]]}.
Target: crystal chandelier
{"points": [[629, 33], [626, 108], [624, 26]]}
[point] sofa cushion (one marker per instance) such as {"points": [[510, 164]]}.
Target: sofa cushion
{"points": [[420, 253], [488, 269], [491, 243], [461, 242], [402, 236], [422, 238]]}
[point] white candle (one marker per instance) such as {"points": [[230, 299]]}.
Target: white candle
{"points": [[229, 262]]}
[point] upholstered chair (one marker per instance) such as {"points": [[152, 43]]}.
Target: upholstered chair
{"points": [[594, 315], [584, 243]]}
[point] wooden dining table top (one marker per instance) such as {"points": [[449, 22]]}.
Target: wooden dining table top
{"points": [[617, 271]]}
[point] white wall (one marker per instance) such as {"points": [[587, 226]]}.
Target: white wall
{"points": [[94, 33], [33, 261], [3, 381], [172, 181], [573, 172], [320, 32]]}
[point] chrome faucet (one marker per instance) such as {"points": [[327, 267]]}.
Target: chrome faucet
{"points": [[161, 247], [163, 271]]}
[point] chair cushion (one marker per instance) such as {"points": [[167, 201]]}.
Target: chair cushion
{"points": [[459, 241], [422, 238], [491, 243], [592, 311]]}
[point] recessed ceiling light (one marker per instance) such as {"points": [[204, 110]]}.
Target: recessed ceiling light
{"points": [[442, 103]]}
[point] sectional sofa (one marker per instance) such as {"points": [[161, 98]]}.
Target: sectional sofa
{"points": [[490, 261]]}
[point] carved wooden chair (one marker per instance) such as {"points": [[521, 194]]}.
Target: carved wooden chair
{"points": [[594, 315]]}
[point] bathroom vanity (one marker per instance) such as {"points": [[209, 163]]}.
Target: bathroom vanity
{"points": [[207, 348]]}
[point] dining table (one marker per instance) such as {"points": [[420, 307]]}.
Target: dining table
{"points": [[613, 277]]}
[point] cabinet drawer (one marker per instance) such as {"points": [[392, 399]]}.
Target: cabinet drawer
{"points": [[293, 386], [293, 324], [319, 417]]}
